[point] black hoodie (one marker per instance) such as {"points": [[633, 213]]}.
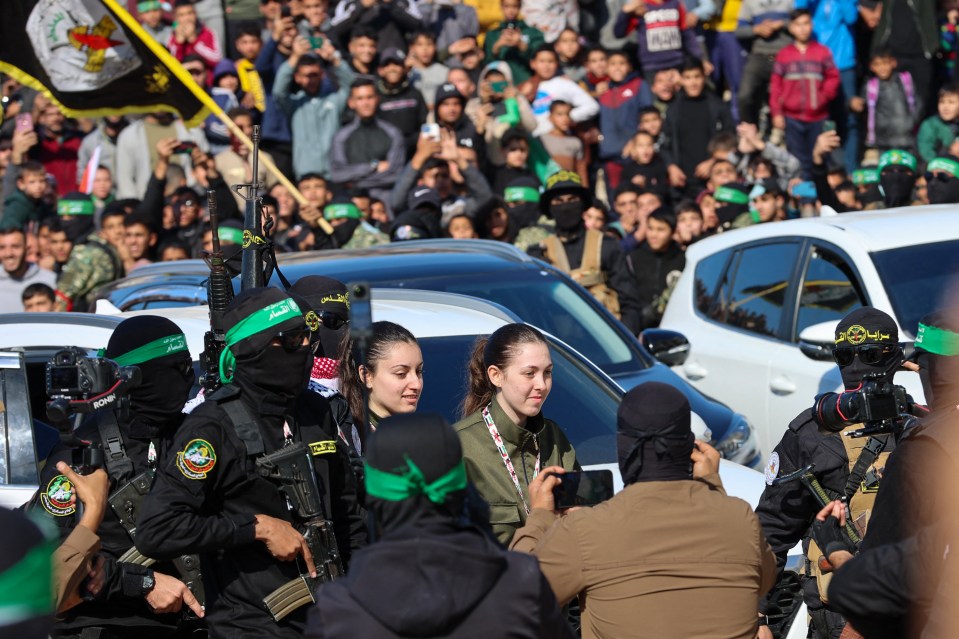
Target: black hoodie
{"points": [[438, 579]]}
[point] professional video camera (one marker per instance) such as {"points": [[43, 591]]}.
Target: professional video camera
{"points": [[77, 385]]}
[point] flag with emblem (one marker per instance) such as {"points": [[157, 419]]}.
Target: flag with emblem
{"points": [[93, 58]]}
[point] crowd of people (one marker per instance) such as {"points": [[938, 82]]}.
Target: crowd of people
{"points": [[408, 119]]}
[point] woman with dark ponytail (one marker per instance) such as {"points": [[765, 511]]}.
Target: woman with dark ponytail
{"points": [[392, 374], [506, 440]]}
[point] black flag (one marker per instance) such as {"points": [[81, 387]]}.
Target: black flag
{"points": [[93, 58]]}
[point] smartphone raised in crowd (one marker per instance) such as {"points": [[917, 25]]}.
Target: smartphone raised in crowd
{"points": [[828, 125], [316, 42], [583, 488], [431, 131], [24, 122], [499, 87], [185, 147]]}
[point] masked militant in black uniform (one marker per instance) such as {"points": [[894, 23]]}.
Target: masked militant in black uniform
{"points": [[256, 481], [135, 433], [816, 454]]}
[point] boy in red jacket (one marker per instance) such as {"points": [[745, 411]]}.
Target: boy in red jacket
{"points": [[804, 81]]}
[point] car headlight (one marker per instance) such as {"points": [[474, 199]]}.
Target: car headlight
{"points": [[738, 444]]}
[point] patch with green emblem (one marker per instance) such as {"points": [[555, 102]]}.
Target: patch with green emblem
{"points": [[196, 460]]}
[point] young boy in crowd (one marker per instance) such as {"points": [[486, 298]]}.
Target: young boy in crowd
{"points": [[426, 73], [689, 223], [459, 227], [804, 82], [545, 86], [665, 37], [651, 122], [766, 204], [891, 107], [619, 109], [596, 216], [150, 13], [139, 238], [248, 44], [26, 204], [362, 48], [645, 168], [653, 262], [938, 131], [693, 119], [37, 298], [597, 79], [565, 148], [515, 147]]}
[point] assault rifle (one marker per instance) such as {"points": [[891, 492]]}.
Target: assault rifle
{"points": [[809, 480], [253, 273], [291, 468], [219, 295], [126, 502]]}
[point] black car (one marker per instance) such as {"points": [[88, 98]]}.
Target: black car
{"points": [[494, 271]]}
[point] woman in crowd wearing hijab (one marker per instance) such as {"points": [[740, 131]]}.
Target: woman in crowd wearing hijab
{"points": [[506, 440], [392, 374]]}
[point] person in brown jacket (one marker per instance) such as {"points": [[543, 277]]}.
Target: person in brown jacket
{"points": [[671, 555]]}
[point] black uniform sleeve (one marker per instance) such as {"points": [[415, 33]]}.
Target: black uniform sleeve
{"points": [[178, 515], [785, 511], [622, 281], [889, 582], [348, 516]]}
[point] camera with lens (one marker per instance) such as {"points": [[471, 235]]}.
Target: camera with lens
{"points": [[78, 384], [879, 405]]}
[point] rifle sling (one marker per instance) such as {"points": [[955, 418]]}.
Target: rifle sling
{"points": [[119, 465], [245, 425], [867, 457]]}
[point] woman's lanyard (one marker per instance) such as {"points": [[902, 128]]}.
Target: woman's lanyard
{"points": [[501, 447]]}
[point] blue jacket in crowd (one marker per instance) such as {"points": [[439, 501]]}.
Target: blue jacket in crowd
{"points": [[833, 22]]}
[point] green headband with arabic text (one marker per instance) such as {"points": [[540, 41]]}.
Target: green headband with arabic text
{"points": [[257, 322], [157, 348], [938, 341]]}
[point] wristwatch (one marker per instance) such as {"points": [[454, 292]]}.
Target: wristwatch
{"points": [[147, 583]]}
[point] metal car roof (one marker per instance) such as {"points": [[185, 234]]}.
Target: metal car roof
{"points": [[873, 230]]}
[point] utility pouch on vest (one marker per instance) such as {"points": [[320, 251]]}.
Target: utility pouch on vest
{"points": [[589, 275], [291, 468]]}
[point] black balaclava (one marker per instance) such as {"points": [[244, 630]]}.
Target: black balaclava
{"points": [[343, 232], [433, 446], [325, 294], [268, 373], [864, 326], [732, 200], [523, 209], [896, 188], [937, 344], [76, 211], [654, 438], [569, 215], [159, 349], [942, 179]]}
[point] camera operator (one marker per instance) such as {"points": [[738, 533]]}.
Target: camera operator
{"points": [[135, 601], [910, 513], [867, 349]]}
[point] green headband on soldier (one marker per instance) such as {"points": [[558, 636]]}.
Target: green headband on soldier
{"points": [[730, 196], [897, 157], [863, 177], [25, 586], [157, 348], [411, 483], [257, 322], [230, 235], [520, 194], [945, 165], [342, 211], [75, 207], [938, 341]]}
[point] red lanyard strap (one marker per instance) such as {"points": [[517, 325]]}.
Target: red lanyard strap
{"points": [[501, 447]]}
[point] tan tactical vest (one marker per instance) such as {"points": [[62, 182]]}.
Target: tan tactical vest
{"points": [[589, 275], [860, 503]]}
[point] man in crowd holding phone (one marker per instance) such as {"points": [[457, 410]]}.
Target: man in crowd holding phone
{"points": [[671, 542]]}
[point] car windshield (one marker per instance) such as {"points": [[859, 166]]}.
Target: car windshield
{"points": [[552, 305], [583, 404], [916, 278]]}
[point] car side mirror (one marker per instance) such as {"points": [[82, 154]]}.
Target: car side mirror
{"points": [[669, 347], [817, 341]]}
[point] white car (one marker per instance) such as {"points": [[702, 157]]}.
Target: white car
{"points": [[759, 305]]}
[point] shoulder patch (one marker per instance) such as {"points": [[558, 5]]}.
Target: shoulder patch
{"points": [[772, 469], [57, 497], [323, 448], [197, 459]]}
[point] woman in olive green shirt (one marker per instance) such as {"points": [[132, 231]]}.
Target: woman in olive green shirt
{"points": [[506, 440]]}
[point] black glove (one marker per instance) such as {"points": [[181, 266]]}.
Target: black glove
{"points": [[830, 537]]}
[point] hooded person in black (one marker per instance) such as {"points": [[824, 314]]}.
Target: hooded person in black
{"points": [[942, 180], [866, 348], [897, 177], [422, 220], [432, 573], [209, 497], [732, 200], [136, 436], [565, 200], [894, 599]]}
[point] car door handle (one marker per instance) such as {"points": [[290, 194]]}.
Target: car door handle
{"points": [[782, 386], [694, 370]]}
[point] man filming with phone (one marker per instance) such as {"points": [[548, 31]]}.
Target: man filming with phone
{"points": [[669, 543]]}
